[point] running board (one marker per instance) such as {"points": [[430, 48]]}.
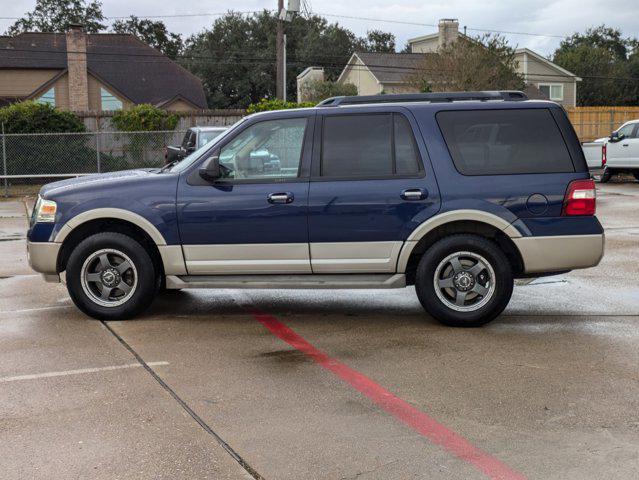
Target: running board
{"points": [[311, 281]]}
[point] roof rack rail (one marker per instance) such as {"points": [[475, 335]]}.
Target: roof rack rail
{"points": [[436, 97]]}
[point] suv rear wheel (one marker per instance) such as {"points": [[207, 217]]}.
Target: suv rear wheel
{"points": [[464, 281], [110, 276]]}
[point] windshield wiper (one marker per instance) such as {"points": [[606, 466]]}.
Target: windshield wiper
{"points": [[167, 166]]}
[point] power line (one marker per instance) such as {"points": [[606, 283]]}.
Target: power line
{"points": [[157, 58]]}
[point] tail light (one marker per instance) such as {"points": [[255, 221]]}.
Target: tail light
{"points": [[580, 198], [604, 159]]}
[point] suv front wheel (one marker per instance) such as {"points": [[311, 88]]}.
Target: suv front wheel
{"points": [[464, 281], [110, 276]]}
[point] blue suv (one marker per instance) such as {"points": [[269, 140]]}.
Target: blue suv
{"points": [[456, 193]]}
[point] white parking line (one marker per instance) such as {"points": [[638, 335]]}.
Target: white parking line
{"points": [[36, 376]]}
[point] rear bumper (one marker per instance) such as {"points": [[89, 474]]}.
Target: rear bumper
{"points": [[43, 257], [560, 253]]}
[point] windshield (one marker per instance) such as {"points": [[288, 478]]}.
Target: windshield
{"points": [[206, 137], [196, 155]]}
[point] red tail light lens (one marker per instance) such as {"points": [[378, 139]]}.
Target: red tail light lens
{"points": [[603, 155], [580, 198]]}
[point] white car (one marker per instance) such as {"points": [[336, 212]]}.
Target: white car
{"points": [[622, 151]]}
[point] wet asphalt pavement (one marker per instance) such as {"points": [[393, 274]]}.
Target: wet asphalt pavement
{"points": [[325, 384]]}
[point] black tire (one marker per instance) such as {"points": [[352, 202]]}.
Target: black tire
{"points": [[636, 175], [488, 306], [605, 176], [146, 283]]}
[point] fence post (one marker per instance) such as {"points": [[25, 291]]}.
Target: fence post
{"points": [[4, 163], [97, 150], [612, 120]]}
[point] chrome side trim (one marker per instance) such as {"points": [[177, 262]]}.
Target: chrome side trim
{"points": [[355, 257], [43, 256], [356, 281], [119, 213], [562, 252], [259, 258]]}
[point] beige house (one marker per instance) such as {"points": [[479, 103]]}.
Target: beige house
{"points": [[93, 72], [374, 73]]}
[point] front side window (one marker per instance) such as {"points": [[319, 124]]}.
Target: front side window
{"points": [[108, 101], [48, 97], [496, 142], [552, 91], [207, 136], [368, 146], [627, 131], [269, 149]]}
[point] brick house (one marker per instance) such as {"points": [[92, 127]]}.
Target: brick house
{"points": [[93, 72]]}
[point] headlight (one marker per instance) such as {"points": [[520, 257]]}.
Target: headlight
{"points": [[45, 210]]}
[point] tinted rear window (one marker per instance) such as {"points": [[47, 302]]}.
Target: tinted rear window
{"points": [[497, 142]]}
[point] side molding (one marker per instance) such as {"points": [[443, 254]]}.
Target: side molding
{"points": [[449, 217], [118, 213]]}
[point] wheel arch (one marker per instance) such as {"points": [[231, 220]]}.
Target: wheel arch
{"points": [[473, 222], [74, 234]]}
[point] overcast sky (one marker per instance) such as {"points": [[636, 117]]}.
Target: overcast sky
{"points": [[561, 17]]}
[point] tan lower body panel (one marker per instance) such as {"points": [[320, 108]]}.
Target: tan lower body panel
{"points": [[173, 259], [43, 256], [355, 257], [260, 258], [564, 252]]}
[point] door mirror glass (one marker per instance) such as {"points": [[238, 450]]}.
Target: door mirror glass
{"points": [[616, 136]]}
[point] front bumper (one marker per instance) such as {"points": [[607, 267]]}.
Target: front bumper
{"points": [[560, 253], [43, 258]]}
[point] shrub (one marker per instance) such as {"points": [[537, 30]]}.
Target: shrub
{"points": [[34, 117], [319, 90], [144, 118], [267, 104]]}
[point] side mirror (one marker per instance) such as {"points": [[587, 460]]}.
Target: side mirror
{"points": [[616, 137], [210, 169]]}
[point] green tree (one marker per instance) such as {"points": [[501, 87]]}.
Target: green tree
{"points": [[486, 62], [607, 63], [152, 33], [378, 41], [57, 15], [236, 57]]}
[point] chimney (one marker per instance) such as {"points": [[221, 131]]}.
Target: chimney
{"points": [[448, 31], [77, 67]]}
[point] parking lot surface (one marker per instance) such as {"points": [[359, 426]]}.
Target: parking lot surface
{"points": [[325, 384]]}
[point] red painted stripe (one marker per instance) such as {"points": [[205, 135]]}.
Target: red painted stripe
{"points": [[395, 406]]}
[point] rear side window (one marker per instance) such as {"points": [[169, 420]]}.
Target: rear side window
{"points": [[368, 146], [497, 142]]}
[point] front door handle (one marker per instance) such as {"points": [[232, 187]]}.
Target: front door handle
{"points": [[625, 144], [414, 194], [280, 197]]}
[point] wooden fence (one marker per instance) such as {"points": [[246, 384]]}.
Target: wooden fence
{"points": [[596, 122]]}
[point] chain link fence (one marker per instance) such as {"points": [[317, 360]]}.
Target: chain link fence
{"points": [[30, 160]]}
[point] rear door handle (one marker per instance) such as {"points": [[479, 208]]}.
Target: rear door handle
{"points": [[280, 197], [414, 194]]}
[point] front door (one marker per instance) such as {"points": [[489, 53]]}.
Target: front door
{"points": [[625, 152], [253, 220], [371, 185]]}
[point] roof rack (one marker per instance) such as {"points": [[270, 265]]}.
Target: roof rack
{"points": [[437, 97]]}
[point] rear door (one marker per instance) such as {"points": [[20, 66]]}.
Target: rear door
{"points": [[371, 184]]}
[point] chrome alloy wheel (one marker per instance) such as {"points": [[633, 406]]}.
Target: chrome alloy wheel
{"points": [[109, 277], [464, 281]]}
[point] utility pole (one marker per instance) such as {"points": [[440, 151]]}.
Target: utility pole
{"points": [[279, 52]]}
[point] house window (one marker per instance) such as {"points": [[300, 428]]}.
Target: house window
{"points": [[48, 97], [554, 91], [108, 101]]}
